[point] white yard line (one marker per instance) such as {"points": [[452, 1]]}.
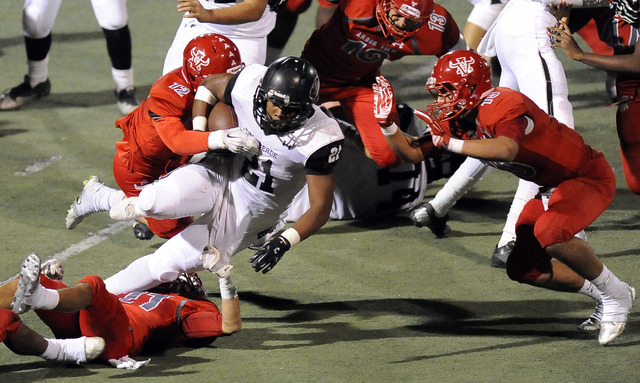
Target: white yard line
{"points": [[86, 243], [38, 165]]}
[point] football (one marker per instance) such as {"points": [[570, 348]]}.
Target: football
{"points": [[222, 117]]}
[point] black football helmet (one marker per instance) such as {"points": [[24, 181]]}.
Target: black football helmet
{"points": [[291, 84]]}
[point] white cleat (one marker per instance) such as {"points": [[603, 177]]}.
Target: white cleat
{"points": [[126, 210], [28, 283], [593, 322], [84, 204], [613, 325]]}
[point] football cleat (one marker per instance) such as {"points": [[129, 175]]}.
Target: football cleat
{"points": [[142, 231], [85, 203], [501, 254], [126, 100], [17, 96], [28, 283], [593, 322], [425, 215], [126, 210], [615, 313]]}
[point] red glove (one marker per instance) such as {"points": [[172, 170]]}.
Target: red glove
{"points": [[440, 133], [384, 103]]}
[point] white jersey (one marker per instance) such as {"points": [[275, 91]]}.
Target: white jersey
{"points": [[242, 199], [250, 38], [266, 185], [365, 190]]}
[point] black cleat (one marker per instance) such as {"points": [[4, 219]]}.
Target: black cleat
{"points": [[142, 231], [500, 255], [425, 215]]}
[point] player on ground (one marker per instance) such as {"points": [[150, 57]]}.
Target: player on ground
{"points": [[517, 136], [90, 323]]}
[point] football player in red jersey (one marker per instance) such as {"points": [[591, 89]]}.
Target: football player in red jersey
{"points": [[621, 33], [90, 323], [350, 48], [159, 136], [513, 134]]}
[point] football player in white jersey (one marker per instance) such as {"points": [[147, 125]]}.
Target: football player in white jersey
{"points": [[247, 23], [243, 198]]}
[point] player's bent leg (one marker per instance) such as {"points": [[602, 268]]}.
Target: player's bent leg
{"points": [[179, 254]]}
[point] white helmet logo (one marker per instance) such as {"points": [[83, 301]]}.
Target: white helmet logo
{"points": [[197, 60], [462, 65]]}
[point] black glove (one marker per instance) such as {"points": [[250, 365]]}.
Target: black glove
{"points": [[269, 255]]}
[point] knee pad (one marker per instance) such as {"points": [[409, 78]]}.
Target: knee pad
{"points": [[527, 260], [163, 270], [110, 14], [38, 18]]}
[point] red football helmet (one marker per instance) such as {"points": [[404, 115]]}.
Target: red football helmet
{"points": [[415, 13], [457, 83], [209, 54]]}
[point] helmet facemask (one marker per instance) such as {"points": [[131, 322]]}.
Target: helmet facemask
{"points": [[414, 17]]}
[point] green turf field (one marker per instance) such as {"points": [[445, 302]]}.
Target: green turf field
{"points": [[358, 302]]}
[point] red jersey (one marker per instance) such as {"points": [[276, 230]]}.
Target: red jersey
{"points": [[159, 130], [156, 319], [351, 46], [549, 151], [136, 322]]}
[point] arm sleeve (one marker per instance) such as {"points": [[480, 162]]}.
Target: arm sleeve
{"points": [[323, 160]]}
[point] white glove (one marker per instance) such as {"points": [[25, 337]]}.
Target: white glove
{"points": [[128, 363], [236, 140], [211, 260]]}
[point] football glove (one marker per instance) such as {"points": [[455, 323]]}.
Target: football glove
{"points": [[384, 102], [236, 140], [270, 254]]}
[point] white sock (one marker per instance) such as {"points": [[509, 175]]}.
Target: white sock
{"points": [[470, 172], [113, 196], [65, 350], [38, 71], [526, 190], [590, 290], [123, 78], [609, 284], [43, 298]]}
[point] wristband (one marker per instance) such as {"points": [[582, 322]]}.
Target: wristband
{"points": [[227, 288], [455, 145], [291, 235], [390, 130], [214, 141], [204, 94], [199, 123]]}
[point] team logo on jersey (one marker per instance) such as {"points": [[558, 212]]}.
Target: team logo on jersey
{"points": [[197, 59], [410, 10], [463, 65]]}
